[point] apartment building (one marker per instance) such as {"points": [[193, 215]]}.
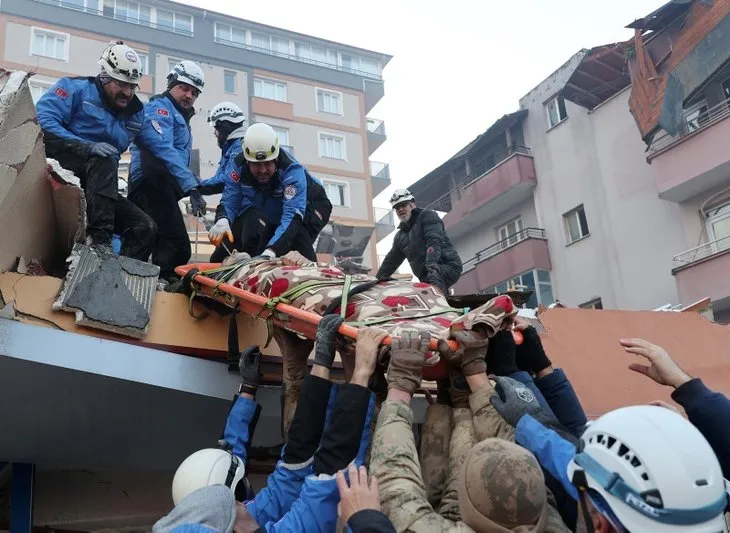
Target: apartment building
{"points": [[317, 94], [575, 198]]}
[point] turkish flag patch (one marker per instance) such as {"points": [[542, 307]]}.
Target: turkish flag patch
{"points": [[234, 176], [61, 92], [163, 112]]}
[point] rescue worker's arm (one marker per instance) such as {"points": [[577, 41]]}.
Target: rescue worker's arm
{"points": [[235, 201], [392, 261], [54, 111], [245, 409], [433, 235], [156, 136], [294, 184], [227, 174]]}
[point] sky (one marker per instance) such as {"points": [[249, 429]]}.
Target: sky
{"points": [[457, 66]]}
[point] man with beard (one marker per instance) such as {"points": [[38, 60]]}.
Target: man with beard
{"points": [[160, 173], [278, 205], [422, 240], [87, 123]]}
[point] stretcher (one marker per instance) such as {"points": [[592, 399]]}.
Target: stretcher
{"points": [[279, 313]]}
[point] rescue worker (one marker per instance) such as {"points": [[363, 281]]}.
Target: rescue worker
{"points": [[641, 468], [422, 240], [87, 123], [279, 206], [228, 121], [160, 173]]}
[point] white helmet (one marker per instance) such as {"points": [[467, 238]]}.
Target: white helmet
{"points": [[228, 112], [210, 466], [187, 72], [653, 470], [400, 196], [120, 62], [261, 143]]}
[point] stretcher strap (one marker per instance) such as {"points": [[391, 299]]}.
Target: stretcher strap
{"points": [[345, 295]]}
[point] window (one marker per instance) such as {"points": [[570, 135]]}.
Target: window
{"points": [[145, 61], [91, 6], [576, 224], [175, 22], [696, 116], [718, 226], [273, 90], [37, 89], [133, 12], [361, 64], [271, 43], [556, 111], [315, 54], [595, 303], [283, 135], [49, 43], [542, 290], [509, 234], [230, 35], [229, 81], [332, 146], [329, 102], [337, 193], [172, 62]]}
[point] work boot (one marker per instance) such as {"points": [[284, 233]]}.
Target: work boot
{"points": [[102, 247]]}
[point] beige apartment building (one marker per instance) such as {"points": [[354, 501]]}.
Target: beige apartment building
{"points": [[316, 94]]}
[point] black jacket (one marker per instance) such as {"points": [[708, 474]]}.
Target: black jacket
{"points": [[423, 241]]}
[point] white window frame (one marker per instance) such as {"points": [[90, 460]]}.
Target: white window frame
{"points": [[574, 213], [235, 81], [345, 191], [171, 62], [145, 63], [321, 135], [230, 42], [85, 9], [285, 131], [514, 238], [556, 102], [338, 94], [175, 14], [40, 84], [592, 304], [331, 60], [66, 45], [275, 82]]}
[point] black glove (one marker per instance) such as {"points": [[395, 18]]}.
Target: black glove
{"points": [[103, 150], [531, 356], [324, 350], [502, 354], [514, 400], [249, 367], [197, 203]]}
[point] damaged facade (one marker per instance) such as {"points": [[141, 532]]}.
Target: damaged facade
{"points": [[581, 211]]}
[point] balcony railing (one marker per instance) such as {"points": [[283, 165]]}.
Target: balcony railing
{"points": [[498, 247], [383, 215], [379, 170], [116, 16], [376, 125], [691, 126], [701, 252]]}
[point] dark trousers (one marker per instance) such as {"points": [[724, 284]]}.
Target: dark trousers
{"points": [[252, 233], [107, 211], [157, 197], [450, 274]]}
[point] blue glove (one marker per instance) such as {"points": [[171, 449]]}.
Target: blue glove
{"points": [[197, 203], [103, 150]]}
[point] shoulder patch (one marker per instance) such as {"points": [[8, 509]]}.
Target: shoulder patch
{"points": [[429, 250], [61, 92], [163, 112], [157, 126], [290, 192], [234, 176]]}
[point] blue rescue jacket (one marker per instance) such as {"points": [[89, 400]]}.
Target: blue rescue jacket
{"points": [[289, 200], [74, 114], [163, 147], [228, 173]]}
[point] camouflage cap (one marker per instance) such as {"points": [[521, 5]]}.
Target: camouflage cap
{"points": [[502, 488]]}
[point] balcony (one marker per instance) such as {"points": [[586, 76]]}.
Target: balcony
{"points": [[379, 177], [376, 134], [703, 272], [696, 160], [384, 222], [509, 183], [505, 259]]}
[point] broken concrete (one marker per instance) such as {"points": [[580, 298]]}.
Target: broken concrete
{"points": [[69, 206], [109, 293]]}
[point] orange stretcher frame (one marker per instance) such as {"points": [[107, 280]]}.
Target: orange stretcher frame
{"points": [[303, 322]]}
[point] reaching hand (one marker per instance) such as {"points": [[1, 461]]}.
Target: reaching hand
{"points": [[531, 355], [407, 356], [366, 350], [361, 494], [221, 229], [103, 150], [472, 352], [514, 400], [249, 367], [324, 350], [197, 203], [662, 369]]}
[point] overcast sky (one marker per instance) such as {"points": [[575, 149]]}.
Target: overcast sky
{"points": [[457, 65]]}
